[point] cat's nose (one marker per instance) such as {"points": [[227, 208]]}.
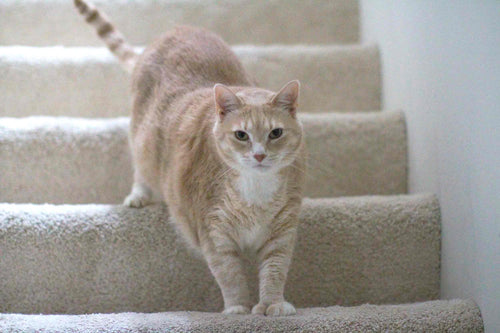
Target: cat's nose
{"points": [[259, 157]]}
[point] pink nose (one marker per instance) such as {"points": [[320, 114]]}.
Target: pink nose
{"points": [[259, 157]]}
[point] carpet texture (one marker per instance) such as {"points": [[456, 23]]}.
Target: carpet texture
{"points": [[65, 160], [91, 266], [55, 22], [457, 316], [88, 82], [101, 258]]}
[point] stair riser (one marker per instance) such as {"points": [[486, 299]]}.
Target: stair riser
{"points": [[81, 259], [88, 82], [56, 22], [88, 161]]}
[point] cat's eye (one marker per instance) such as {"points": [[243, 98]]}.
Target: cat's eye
{"points": [[240, 135], [275, 133]]}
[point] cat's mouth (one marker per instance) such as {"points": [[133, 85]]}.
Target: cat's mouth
{"points": [[261, 167]]}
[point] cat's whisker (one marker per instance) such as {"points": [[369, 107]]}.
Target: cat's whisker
{"points": [[222, 175], [297, 168], [322, 166]]}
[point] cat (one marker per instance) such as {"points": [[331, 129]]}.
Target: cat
{"points": [[227, 157]]}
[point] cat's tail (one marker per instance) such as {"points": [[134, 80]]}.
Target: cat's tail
{"points": [[109, 34]]}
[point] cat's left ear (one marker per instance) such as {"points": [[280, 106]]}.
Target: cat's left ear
{"points": [[226, 101], [287, 98]]}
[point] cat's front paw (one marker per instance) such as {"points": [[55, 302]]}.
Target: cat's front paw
{"points": [[275, 309], [236, 309], [136, 200], [140, 196]]}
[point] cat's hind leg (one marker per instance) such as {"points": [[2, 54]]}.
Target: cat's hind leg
{"points": [[141, 195]]}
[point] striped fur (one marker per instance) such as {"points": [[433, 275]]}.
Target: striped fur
{"points": [[108, 33]]}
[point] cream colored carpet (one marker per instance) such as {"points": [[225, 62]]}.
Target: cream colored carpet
{"points": [[75, 160], [88, 82], [101, 258], [55, 22], [60, 265], [434, 316]]}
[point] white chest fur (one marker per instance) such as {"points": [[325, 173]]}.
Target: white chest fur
{"points": [[258, 188]]}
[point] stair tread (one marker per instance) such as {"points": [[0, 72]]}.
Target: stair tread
{"points": [[75, 160], [105, 258], [432, 316], [56, 22], [88, 82]]}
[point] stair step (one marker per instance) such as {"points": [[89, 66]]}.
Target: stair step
{"points": [[88, 82], [71, 160], [356, 153], [56, 22], [103, 258], [432, 316]]}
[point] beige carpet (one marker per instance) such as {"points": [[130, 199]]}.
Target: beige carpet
{"points": [[457, 316], [100, 258], [130, 265], [238, 21], [74, 160], [88, 82]]}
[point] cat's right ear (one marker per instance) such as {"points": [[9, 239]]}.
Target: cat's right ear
{"points": [[226, 101]]}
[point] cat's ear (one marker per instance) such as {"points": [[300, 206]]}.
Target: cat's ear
{"points": [[287, 98], [226, 101]]}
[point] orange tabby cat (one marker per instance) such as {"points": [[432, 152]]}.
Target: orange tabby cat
{"points": [[227, 158]]}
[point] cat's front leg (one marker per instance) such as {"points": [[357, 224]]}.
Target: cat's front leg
{"points": [[274, 260], [141, 195], [227, 268]]}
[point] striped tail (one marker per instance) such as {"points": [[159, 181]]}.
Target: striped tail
{"points": [[113, 38]]}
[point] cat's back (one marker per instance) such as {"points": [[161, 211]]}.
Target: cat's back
{"points": [[181, 61], [184, 59]]}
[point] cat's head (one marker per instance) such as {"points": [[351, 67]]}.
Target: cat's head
{"points": [[257, 130]]}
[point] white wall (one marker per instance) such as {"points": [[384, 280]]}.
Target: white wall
{"points": [[441, 65]]}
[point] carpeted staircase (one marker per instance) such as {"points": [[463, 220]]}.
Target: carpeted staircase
{"points": [[68, 249]]}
